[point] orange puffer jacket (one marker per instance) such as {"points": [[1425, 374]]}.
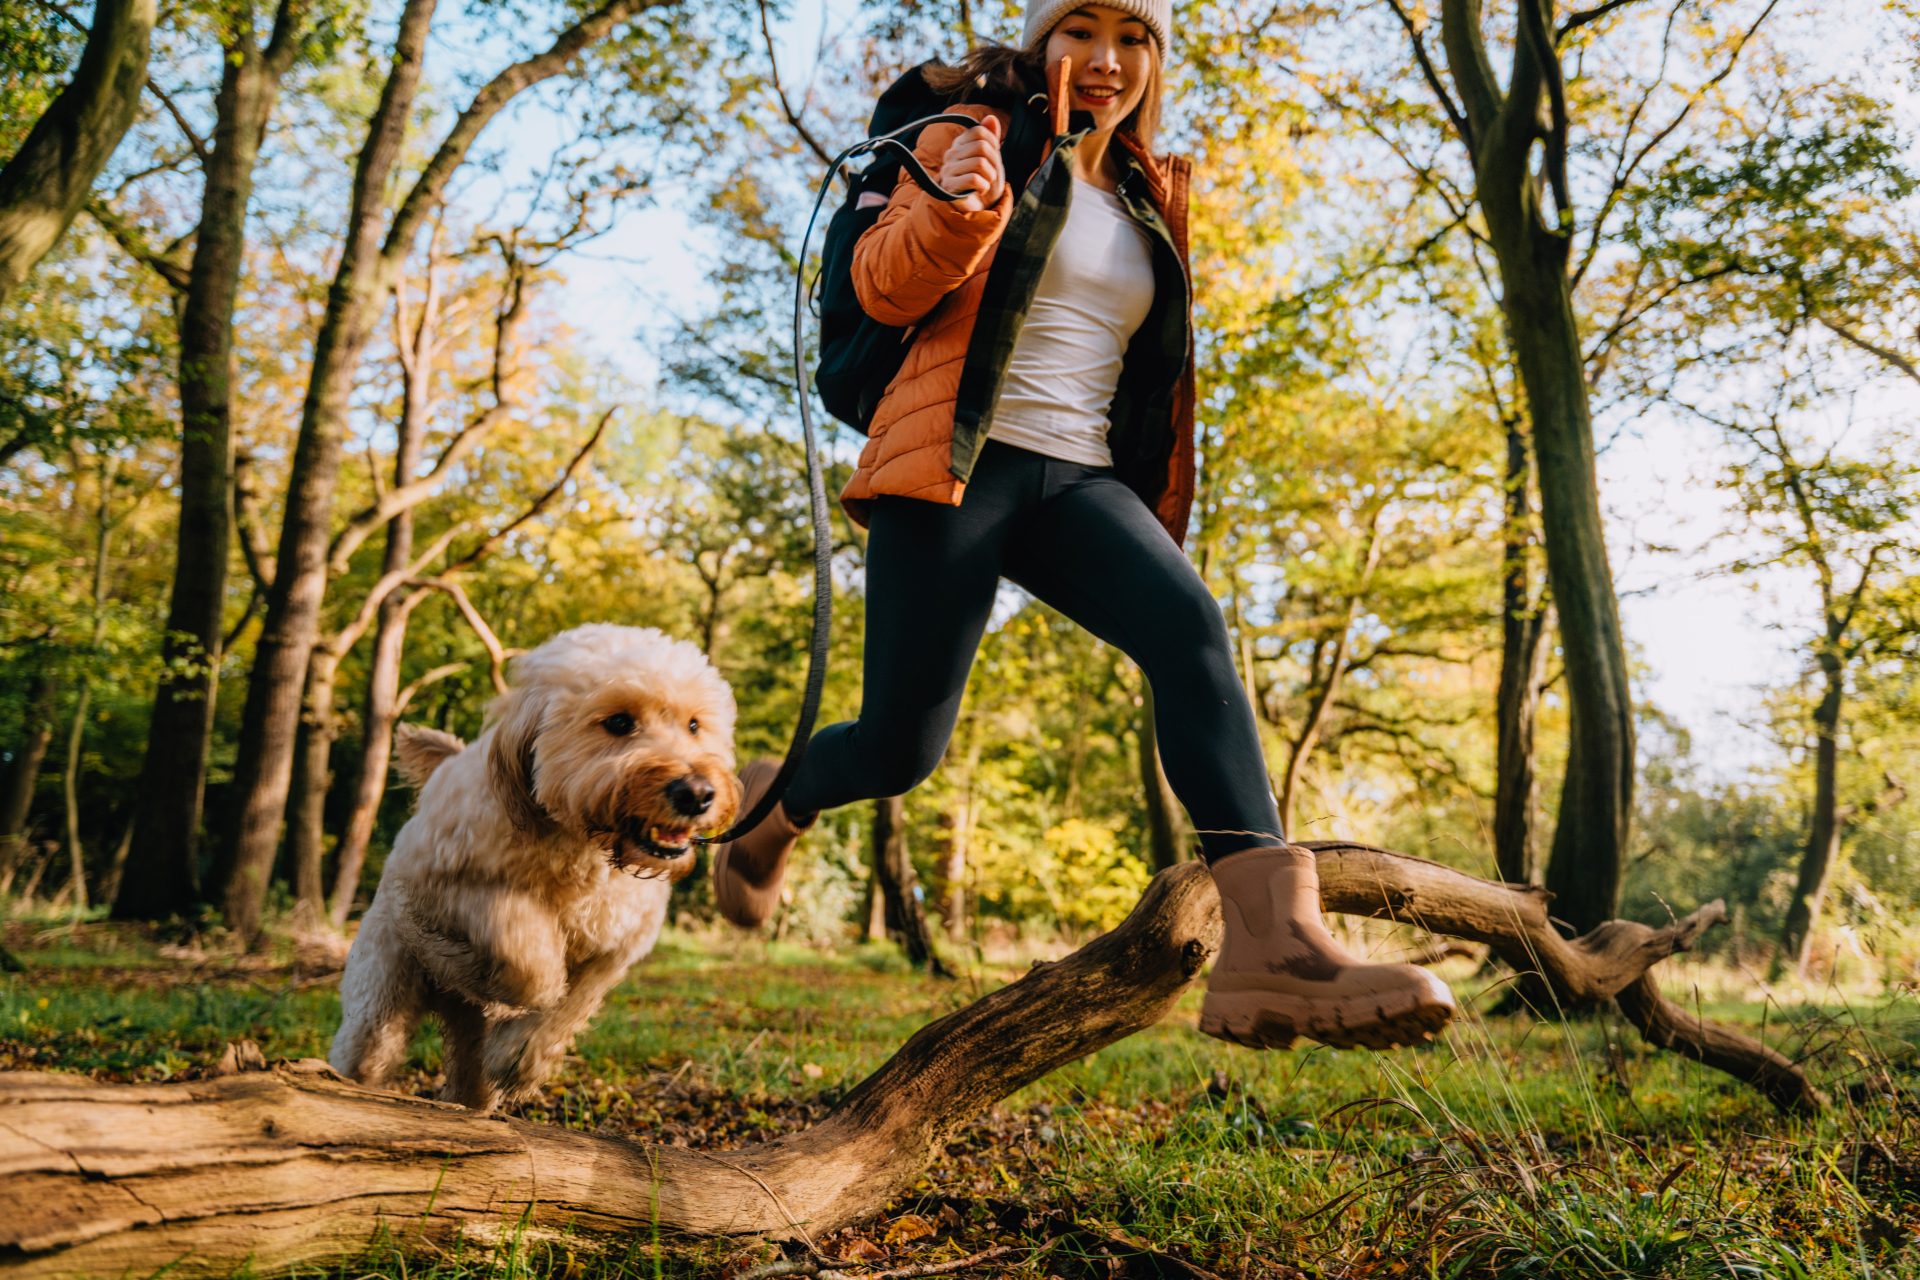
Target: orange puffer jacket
{"points": [[925, 266]]}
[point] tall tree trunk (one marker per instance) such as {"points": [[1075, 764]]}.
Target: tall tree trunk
{"points": [[43, 186], [76, 890], [390, 638], [1825, 827], [1502, 131], [1164, 829], [1596, 796], [163, 875], [1523, 624], [376, 743], [23, 779], [905, 914], [275, 688], [312, 776]]}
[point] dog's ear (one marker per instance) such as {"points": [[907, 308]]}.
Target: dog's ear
{"points": [[421, 750], [510, 758]]}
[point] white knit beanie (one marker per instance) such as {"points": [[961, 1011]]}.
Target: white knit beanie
{"points": [[1043, 14]]}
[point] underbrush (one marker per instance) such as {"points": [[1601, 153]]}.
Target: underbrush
{"points": [[1514, 1147]]}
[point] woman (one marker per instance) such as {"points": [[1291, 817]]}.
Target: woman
{"points": [[1041, 430]]}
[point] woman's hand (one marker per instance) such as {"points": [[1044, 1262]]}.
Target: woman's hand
{"points": [[972, 164]]}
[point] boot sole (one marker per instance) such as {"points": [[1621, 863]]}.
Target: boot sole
{"points": [[1272, 1020]]}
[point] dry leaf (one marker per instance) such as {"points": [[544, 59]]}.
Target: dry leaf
{"points": [[908, 1226]]}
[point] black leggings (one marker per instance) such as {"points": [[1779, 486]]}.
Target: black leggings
{"points": [[1080, 540]]}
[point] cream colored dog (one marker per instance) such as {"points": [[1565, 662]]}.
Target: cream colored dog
{"points": [[536, 867]]}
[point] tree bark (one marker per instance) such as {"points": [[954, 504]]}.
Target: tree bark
{"points": [[1165, 836], [906, 917], [43, 186], [1825, 826], [23, 779], [163, 874], [312, 777], [293, 1167], [1523, 626], [1532, 254]]}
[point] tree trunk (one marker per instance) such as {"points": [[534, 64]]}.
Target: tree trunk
{"points": [[390, 637], [1596, 796], [76, 890], [1824, 827], [275, 688], [376, 740], [23, 779], [1523, 624], [1165, 834], [953, 873], [164, 867], [1503, 131], [295, 1168], [43, 186], [906, 917], [312, 776]]}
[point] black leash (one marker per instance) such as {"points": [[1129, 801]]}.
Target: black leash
{"points": [[822, 536]]}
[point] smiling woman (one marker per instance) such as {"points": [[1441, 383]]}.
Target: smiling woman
{"points": [[1040, 430]]}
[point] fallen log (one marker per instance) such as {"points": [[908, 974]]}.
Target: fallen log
{"points": [[272, 1169]]}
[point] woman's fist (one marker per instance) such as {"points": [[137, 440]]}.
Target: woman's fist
{"points": [[973, 165]]}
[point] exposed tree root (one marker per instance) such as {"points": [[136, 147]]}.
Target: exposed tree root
{"points": [[293, 1165]]}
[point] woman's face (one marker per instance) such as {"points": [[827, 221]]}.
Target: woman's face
{"points": [[1112, 53]]}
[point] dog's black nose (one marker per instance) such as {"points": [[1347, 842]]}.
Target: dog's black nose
{"points": [[691, 795]]}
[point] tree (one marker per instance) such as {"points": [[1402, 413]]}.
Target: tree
{"points": [[164, 878], [46, 181], [1796, 243], [374, 249]]}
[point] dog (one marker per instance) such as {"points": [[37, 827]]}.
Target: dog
{"points": [[536, 867]]}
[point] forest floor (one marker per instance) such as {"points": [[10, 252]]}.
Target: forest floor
{"points": [[1515, 1147]]}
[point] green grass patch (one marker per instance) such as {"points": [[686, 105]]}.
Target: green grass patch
{"points": [[1514, 1147]]}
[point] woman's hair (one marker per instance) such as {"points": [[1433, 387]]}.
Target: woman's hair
{"points": [[1010, 70]]}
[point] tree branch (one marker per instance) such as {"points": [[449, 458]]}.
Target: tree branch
{"points": [[425, 194], [496, 652], [1893, 359], [494, 539], [173, 269], [793, 117], [1575, 21]]}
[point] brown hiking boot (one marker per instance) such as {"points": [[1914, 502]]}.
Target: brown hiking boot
{"points": [[747, 872], [1280, 974]]}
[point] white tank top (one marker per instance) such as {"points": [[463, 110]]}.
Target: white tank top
{"points": [[1096, 290]]}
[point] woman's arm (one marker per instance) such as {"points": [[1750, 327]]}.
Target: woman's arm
{"points": [[922, 249]]}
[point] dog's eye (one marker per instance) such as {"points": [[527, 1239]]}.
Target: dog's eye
{"points": [[693, 727], [619, 724]]}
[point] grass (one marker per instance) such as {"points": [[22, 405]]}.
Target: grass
{"points": [[1514, 1148]]}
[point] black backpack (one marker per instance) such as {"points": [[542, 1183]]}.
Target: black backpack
{"points": [[859, 356]]}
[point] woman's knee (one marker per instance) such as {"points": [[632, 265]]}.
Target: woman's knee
{"points": [[895, 757], [1180, 624]]}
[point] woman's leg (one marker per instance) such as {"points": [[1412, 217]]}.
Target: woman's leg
{"points": [[1093, 550], [932, 572]]}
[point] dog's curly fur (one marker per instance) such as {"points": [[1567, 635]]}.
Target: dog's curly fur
{"points": [[536, 867]]}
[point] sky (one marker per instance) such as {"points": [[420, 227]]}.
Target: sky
{"points": [[1711, 645]]}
